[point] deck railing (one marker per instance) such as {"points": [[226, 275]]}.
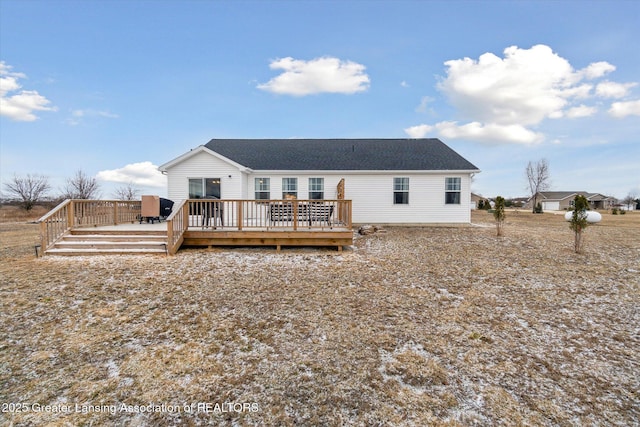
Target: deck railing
{"points": [[85, 213], [209, 214], [268, 214], [177, 224]]}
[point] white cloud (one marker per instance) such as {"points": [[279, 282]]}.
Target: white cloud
{"points": [[21, 105], [78, 115], [143, 174], [597, 69], [579, 92], [93, 113], [404, 84], [424, 101], [613, 90], [319, 75], [502, 99], [581, 111], [489, 132], [523, 88], [419, 131], [625, 108]]}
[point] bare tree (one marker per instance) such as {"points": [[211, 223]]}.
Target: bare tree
{"points": [[630, 200], [538, 179], [29, 190], [81, 186], [127, 192]]}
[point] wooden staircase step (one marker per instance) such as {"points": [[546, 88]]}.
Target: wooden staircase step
{"points": [[108, 242], [116, 237], [92, 231], [82, 252]]}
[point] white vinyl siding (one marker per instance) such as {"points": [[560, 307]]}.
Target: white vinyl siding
{"points": [[373, 205], [203, 165]]}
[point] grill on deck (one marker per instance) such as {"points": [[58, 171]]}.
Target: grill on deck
{"points": [[155, 208]]}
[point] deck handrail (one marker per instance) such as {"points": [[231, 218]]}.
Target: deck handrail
{"points": [[85, 213], [54, 224], [177, 224], [293, 214], [53, 211]]}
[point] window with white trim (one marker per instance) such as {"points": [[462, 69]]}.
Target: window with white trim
{"points": [[400, 191], [316, 188], [289, 187], [452, 191], [263, 188], [200, 188]]}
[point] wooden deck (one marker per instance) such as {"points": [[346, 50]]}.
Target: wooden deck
{"points": [[92, 226], [278, 238]]}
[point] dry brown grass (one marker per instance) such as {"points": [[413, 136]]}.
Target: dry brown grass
{"points": [[416, 326]]}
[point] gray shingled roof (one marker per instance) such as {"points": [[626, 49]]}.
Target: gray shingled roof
{"points": [[341, 154], [561, 195]]}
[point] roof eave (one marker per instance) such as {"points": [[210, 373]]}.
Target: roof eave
{"points": [[365, 172]]}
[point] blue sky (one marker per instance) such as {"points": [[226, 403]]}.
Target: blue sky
{"points": [[116, 88]]}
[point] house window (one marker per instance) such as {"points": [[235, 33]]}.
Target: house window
{"points": [[316, 188], [263, 186], [401, 191], [289, 187], [452, 191], [200, 188]]}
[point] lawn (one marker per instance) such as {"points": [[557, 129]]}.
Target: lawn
{"points": [[413, 326]]}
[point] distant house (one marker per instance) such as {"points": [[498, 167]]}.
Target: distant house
{"points": [[563, 200], [475, 200], [519, 202], [390, 181]]}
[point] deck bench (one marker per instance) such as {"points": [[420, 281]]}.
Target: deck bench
{"points": [[283, 212], [307, 212], [320, 213]]}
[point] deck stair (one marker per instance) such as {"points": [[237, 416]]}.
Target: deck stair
{"points": [[88, 241]]}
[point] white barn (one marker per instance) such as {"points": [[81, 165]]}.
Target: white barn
{"points": [[390, 181]]}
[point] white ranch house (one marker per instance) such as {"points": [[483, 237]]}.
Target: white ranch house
{"points": [[389, 181], [273, 192]]}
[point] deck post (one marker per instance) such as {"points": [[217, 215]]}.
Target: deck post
{"points": [[170, 233], [43, 236], [71, 214], [295, 215], [240, 214], [115, 213]]}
